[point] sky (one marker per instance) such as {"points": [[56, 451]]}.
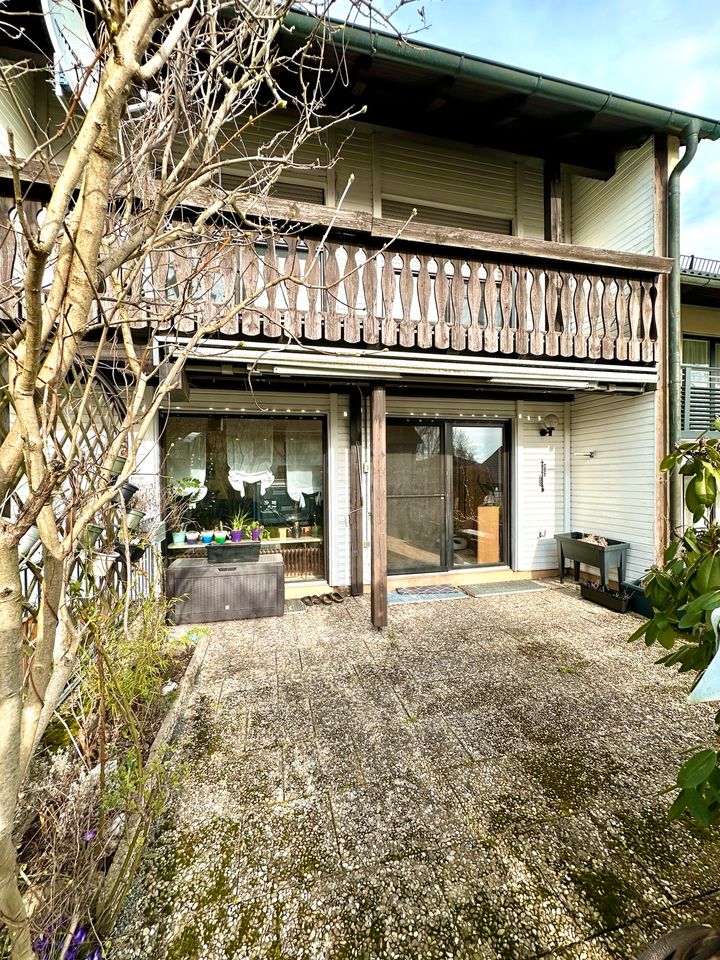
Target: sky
{"points": [[663, 52]]}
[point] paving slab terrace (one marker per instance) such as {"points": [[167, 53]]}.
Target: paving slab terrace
{"points": [[480, 780]]}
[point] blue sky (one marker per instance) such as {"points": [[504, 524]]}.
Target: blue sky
{"points": [[663, 52]]}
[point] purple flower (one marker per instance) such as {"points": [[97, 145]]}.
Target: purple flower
{"points": [[88, 835], [79, 937], [96, 954]]}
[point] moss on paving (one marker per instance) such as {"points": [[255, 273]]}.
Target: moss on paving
{"points": [[276, 847]]}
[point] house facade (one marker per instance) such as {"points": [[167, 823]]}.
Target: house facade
{"points": [[476, 359], [700, 345]]}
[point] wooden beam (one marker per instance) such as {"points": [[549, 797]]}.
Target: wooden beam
{"points": [[378, 583], [356, 498], [553, 202]]}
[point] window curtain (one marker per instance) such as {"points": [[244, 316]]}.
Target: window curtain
{"points": [[696, 352], [249, 453], [304, 466], [187, 457]]}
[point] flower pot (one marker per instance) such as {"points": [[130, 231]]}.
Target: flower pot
{"points": [[28, 540], [118, 466], [256, 534], [206, 536], [245, 552], [192, 536], [611, 601], [236, 535], [126, 492], [91, 534], [639, 603], [220, 536], [179, 536], [133, 519], [137, 552], [102, 563]]}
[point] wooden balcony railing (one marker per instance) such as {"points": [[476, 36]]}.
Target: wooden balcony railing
{"points": [[700, 399], [432, 289], [354, 293]]}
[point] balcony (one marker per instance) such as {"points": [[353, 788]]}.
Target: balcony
{"points": [[700, 399], [412, 286]]}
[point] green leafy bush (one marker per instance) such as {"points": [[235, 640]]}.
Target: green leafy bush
{"points": [[684, 591]]}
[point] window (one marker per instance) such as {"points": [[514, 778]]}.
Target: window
{"points": [[271, 469]]}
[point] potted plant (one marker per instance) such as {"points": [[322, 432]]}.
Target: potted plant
{"points": [[238, 522], [617, 600], [206, 536], [179, 536], [256, 531], [119, 463], [220, 534], [126, 493], [91, 534], [191, 535]]}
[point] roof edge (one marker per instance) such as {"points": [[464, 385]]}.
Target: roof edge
{"points": [[451, 63]]}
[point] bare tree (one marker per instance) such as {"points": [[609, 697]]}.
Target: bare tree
{"points": [[157, 173]]}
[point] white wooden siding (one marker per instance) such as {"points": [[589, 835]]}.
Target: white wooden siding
{"points": [[17, 113], [613, 493], [539, 508], [617, 214]]}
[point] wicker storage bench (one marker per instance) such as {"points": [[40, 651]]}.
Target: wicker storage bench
{"points": [[226, 591]]}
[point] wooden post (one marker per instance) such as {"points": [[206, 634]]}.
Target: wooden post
{"points": [[553, 202], [356, 500], [378, 503]]}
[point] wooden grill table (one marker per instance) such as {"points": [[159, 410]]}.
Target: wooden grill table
{"points": [[571, 546]]}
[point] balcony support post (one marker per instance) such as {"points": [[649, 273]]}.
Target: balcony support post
{"points": [[378, 585]]}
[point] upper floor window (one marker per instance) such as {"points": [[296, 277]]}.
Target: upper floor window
{"points": [[445, 216]]}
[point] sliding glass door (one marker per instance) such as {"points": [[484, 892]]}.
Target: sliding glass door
{"points": [[478, 488], [447, 495], [416, 497]]}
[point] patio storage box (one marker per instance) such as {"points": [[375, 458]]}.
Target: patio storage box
{"points": [[226, 591]]}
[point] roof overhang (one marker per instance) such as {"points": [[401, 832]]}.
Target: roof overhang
{"points": [[427, 89]]}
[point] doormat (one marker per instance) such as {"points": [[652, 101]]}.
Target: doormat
{"points": [[295, 606], [430, 588], [499, 589], [427, 595]]}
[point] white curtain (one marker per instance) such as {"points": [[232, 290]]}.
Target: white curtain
{"points": [[304, 465], [187, 457], [249, 453]]}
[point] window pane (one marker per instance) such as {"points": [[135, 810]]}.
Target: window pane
{"points": [[265, 470], [696, 351], [478, 495]]}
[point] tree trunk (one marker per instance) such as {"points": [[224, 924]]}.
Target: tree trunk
{"points": [[12, 908]]}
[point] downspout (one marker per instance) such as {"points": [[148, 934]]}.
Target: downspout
{"points": [[674, 339]]}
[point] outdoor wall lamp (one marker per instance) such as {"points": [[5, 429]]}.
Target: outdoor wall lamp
{"points": [[550, 422]]}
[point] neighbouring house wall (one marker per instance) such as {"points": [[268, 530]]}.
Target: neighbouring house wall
{"points": [[335, 408], [613, 493], [617, 214], [704, 321]]}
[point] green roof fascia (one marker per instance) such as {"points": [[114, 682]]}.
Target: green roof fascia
{"points": [[450, 63]]}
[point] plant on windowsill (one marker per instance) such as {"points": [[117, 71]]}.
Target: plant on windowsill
{"points": [[238, 524], [220, 533], [257, 531]]}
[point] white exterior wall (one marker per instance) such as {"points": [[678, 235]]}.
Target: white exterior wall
{"points": [[17, 113], [617, 214], [539, 510], [613, 493]]}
